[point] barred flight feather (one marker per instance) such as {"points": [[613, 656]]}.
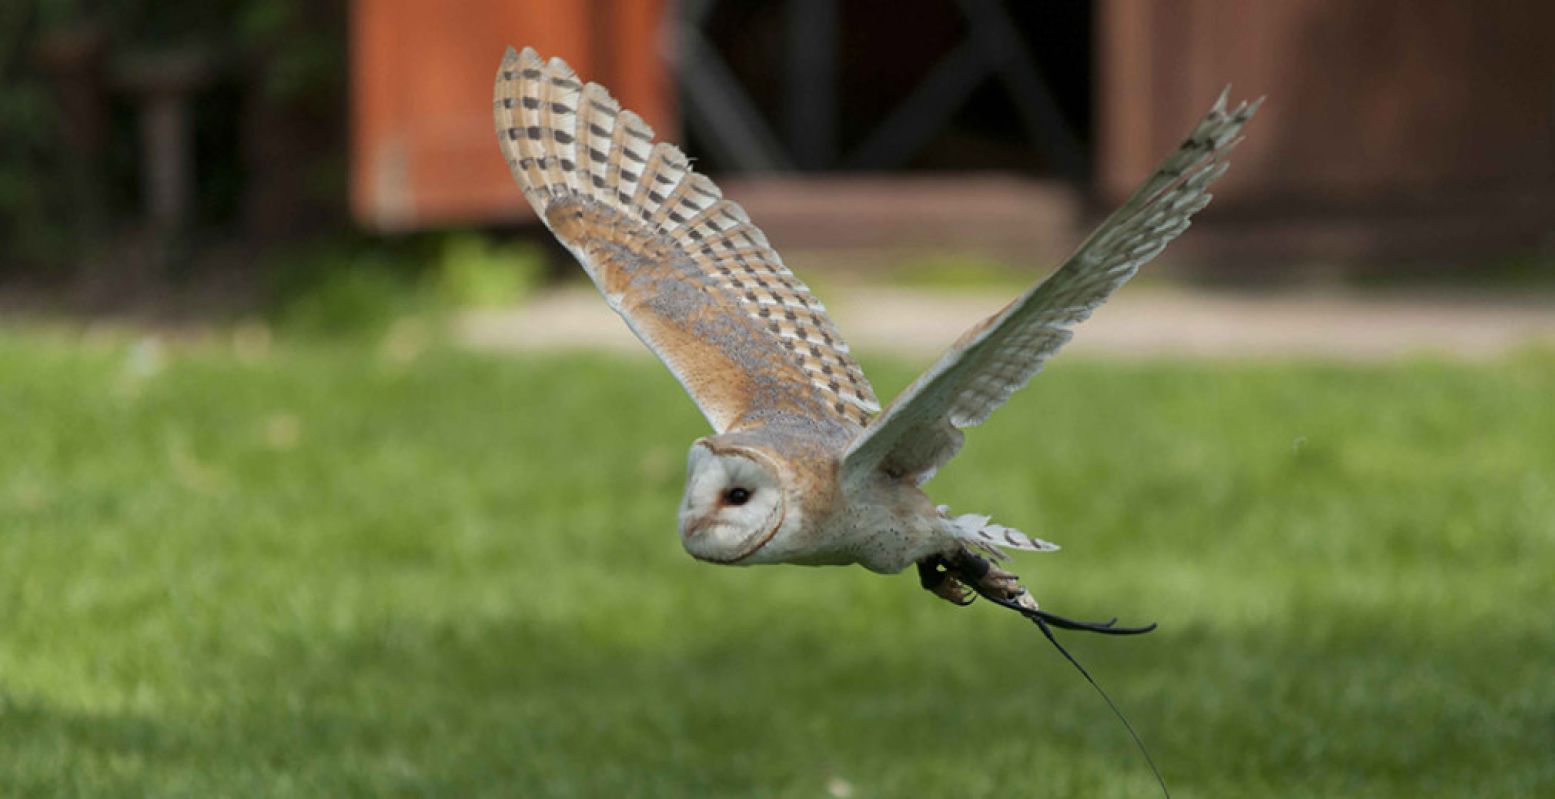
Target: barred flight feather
{"points": [[595, 175], [921, 429]]}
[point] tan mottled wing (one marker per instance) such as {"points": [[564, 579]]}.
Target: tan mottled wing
{"points": [[921, 429], [695, 280]]}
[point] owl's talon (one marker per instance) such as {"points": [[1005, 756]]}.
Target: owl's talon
{"points": [[936, 578], [952, 592]]}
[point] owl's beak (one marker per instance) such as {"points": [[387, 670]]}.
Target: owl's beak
{"points": [[692, 527]]}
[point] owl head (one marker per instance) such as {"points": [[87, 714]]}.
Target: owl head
{"points": [[735, 502]]}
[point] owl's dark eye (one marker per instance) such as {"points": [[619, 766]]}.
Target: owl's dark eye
{"points": [[737, 496]]}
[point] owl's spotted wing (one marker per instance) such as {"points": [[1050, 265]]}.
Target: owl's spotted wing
{"points": [[921, 429], [695, 280]]}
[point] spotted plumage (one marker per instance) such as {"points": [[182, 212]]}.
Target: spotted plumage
{"points": [[803, 467]]}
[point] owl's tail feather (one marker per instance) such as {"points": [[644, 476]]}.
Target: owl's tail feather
{"points": [[991, 539]]}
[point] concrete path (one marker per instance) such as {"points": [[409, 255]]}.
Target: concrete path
{"points": [[1141, 321]]}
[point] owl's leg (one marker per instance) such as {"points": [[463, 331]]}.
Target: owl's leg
{"points": [[959, 576], [935, 576], [991, 582]]}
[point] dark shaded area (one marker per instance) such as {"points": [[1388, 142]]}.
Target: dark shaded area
{"points": [[886, 50], [147, 142]]}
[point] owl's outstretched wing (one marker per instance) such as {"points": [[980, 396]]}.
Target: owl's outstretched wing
{"points": [[694, 279], [921, 429]]}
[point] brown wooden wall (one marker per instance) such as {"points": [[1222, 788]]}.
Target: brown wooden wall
{"points": [[422, 148], [1392, 127], [1367, 99]]}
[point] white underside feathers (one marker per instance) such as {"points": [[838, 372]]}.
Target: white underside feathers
{"points": [[991, 538]]}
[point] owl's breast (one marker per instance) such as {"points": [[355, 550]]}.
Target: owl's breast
{"points": [[888, 542], [886, 527]]}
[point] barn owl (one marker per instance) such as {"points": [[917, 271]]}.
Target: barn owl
{"points": [[804, 466]]}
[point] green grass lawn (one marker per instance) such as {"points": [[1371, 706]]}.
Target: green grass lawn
{"points": [[326, 570]]}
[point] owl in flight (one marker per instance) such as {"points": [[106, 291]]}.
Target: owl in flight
{"points": [[804, 466]]}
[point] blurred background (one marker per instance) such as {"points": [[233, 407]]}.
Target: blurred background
{"points": [[315, 475], [154, 150]]}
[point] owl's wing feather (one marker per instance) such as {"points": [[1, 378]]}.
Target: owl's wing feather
{"points": [[694, 279], [921, 429]]}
